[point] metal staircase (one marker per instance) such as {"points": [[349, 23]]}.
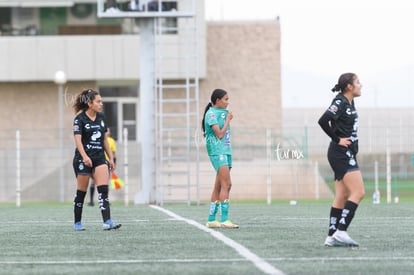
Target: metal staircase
{"points": [[177, 110], [169, 92]]}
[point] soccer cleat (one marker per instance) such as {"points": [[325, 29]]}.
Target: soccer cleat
{"points": [[78, 226], [229, 224], [331, 242], [110, 224], [343, 237], [213, 224]]}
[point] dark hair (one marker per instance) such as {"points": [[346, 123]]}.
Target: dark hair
{"points": [[82, 100], [343, 81], [217, 94]]}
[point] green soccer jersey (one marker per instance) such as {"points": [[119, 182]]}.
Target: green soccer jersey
{"points": [[214, 145]]}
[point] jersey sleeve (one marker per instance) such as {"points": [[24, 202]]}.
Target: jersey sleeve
{"points": [[211, 118], [336, 108], [324, 122], [332, 114], [77, 126]]}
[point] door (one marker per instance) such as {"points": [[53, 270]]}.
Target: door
{"points": [[121, 113]]}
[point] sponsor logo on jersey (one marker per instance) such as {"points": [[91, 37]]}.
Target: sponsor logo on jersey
{"points": [[75, 128], [212, 116], [96, 135]]}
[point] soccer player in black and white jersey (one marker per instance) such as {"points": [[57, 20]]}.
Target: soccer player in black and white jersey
{"points": [[89, 130], [340, 123]]}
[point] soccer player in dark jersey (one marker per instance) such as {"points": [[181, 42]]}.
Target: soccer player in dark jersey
{"points": [[89, 129], [340, 123]]}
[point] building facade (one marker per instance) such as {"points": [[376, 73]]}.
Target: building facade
{"points": [[104, 54]]}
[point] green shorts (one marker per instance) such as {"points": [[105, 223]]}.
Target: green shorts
{"points": [[221, 160]]}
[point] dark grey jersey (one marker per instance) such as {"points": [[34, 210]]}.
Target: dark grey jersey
{"points": [[344, 119], [92, 133]]}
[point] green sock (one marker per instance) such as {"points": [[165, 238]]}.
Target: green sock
{"points": [[224, 207], [214, 206]]}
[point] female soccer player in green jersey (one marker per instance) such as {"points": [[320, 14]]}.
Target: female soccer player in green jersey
{"points": [[216, 128]]}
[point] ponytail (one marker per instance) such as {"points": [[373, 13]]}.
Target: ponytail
{"points": [[204, 118], [336, 88]]}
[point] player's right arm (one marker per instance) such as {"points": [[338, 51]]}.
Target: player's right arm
{"points": [[325, 123], [79, 146], [220, 132], [77, 133]]}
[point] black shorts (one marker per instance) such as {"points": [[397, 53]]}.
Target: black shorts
{"points": [[81, 169], [342, 160]]}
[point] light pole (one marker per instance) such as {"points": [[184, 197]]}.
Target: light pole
{"points": [[60, 80]]}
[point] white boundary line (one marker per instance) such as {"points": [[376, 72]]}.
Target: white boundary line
{"points": [[281, 259], [243, 251]]}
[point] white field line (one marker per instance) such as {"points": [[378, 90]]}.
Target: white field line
{"points": [[243, 251], [138, 220], [281, 259], [314, 259]]}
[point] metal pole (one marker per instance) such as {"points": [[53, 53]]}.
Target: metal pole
{"points": [[60, 80], [388, 160], [126, 195], [269, 168], [147, 114], [317, 193], [60, 126], [18, 172]]}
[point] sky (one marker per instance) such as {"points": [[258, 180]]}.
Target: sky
{"points": [[321, 39]]}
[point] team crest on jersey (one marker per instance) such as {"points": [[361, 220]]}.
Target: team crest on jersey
{"points": [[87, 126], [333, 109], [223, 115], [348, 111]]}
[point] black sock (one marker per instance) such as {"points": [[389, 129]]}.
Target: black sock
{"points": [[347, 215], [92, 191], [104, 202], [334, 217], [78, 205]]}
